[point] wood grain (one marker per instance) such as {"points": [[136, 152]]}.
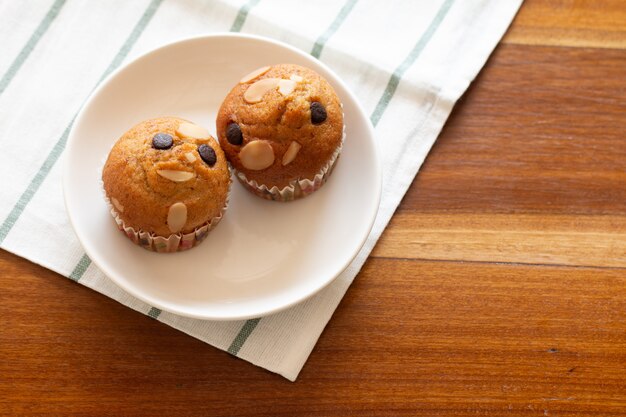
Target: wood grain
{"points": [[458, 313], [520, 238], [580, 23], [540, 131], [411, 338]]}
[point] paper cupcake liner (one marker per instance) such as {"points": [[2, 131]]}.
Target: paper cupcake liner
{"points": [[297, 188], [167, 244]]}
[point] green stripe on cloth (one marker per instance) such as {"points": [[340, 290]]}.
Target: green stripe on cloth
{"points": [[54, 154], [394, 81], [34, 185], [249, 325], [80, 268], [242, 15], [321, 41], [83, 264], [242, 336], [147, 16], [30, 44], [236, 27], [154, 312]]}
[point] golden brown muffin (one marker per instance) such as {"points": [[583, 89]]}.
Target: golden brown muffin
{"points": [[279, 125], [165, 177]]}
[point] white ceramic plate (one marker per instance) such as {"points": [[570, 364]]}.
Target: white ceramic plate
{"points": [[264, 256]]}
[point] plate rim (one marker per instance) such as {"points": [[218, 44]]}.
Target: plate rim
{"points": [[72, 138]]}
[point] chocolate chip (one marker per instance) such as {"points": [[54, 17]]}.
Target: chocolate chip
{"points": [[207, 154], [318, 113], [233, 134], [162, 141]]}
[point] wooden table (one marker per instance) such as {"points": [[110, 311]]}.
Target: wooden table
{"points": [[499, 287]]}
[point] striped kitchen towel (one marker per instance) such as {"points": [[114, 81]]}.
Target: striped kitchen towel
{"points": [[408, 61]]}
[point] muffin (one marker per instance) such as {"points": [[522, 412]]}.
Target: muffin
{"points": [[167, 182], [281, 129]]}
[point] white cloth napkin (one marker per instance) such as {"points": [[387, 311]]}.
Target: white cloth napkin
{"points": [[407, 61]]}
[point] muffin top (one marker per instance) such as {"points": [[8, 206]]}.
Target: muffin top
{"points": [[166, 176], [280, 124]]}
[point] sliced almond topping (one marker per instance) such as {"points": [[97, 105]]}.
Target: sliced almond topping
{"points": [[176, 176], [296, 78], [176, 217], [254, 74], [190, 130], [256, 91], [117, 205], [285, 87], [190, 157], [291, 152], [257, 155]]}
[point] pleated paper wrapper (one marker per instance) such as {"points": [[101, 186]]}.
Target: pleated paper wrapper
{"points": [[173, 243], [297, 188]]}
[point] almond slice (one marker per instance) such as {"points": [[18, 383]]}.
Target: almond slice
{"points": [[117, 205], [176, 217], [285, 87], [257, 155], [256, 91], [190, 130], [176, 176], [291, 152], [254, 74], [296, 78], [190, 157]]}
